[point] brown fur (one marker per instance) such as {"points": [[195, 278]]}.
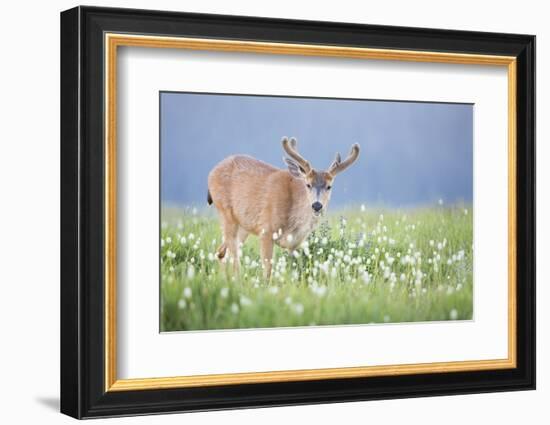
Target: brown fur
{"points": [[253, 197]]}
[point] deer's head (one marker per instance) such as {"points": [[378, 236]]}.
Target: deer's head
{"points": [[318, 183]]}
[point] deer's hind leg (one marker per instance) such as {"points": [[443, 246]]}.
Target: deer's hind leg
{"points": [[229, 249]]}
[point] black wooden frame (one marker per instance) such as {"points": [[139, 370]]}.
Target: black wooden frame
{"points": [[82, 215]]}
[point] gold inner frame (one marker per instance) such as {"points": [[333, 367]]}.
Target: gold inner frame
{"points": [[113, 41]]}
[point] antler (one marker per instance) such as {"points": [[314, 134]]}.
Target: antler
{"points": [[338, 165], [290, 148]]}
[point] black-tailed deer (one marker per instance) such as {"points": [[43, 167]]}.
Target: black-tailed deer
{"points": [[279, 206]]}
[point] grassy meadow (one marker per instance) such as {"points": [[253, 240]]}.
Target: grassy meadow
{"points": [[360, 266]]}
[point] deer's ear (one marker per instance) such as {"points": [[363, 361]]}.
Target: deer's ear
{"points": [[294, 168]]}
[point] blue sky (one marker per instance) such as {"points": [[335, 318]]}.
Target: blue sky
{"points": [[411, 153]]}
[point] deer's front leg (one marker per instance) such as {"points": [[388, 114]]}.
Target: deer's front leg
{"points": [[266, 254]]}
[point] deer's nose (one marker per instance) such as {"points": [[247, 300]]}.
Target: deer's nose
{"points": [[317, 206]]}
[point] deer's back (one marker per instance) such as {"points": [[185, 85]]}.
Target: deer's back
{"points": [[243, 187]]}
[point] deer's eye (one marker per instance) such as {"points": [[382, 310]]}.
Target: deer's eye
{"points": [[308, 186], [329, 187]]}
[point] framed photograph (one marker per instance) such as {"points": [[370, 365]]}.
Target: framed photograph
{"points": [[260, 212]]}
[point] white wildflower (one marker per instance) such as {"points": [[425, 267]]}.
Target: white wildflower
{"points": [[245, 301], [298, 309], [224, 292], [187, 292]]}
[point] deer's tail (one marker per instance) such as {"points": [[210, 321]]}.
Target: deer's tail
{"points": [[209, 198]]}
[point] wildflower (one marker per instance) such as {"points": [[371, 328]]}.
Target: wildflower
{"points": [[320, 291], [381, 217], [234, 308], [190, 271], [275, 236], [182, 304], [363, 208], [183, 241], [298, 309], [366, 277], [224, 292], [289, 238], [453, 314], [402, 277], [245, 301], [431, 243], [168, 239], [288, 300], [191, 236], [273, 290], [187, 292], [324, 241]]}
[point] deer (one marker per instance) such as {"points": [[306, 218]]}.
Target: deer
{"points": [[280, 206]]}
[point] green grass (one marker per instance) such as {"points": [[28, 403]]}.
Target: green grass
{"points": [[359, 267]]}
